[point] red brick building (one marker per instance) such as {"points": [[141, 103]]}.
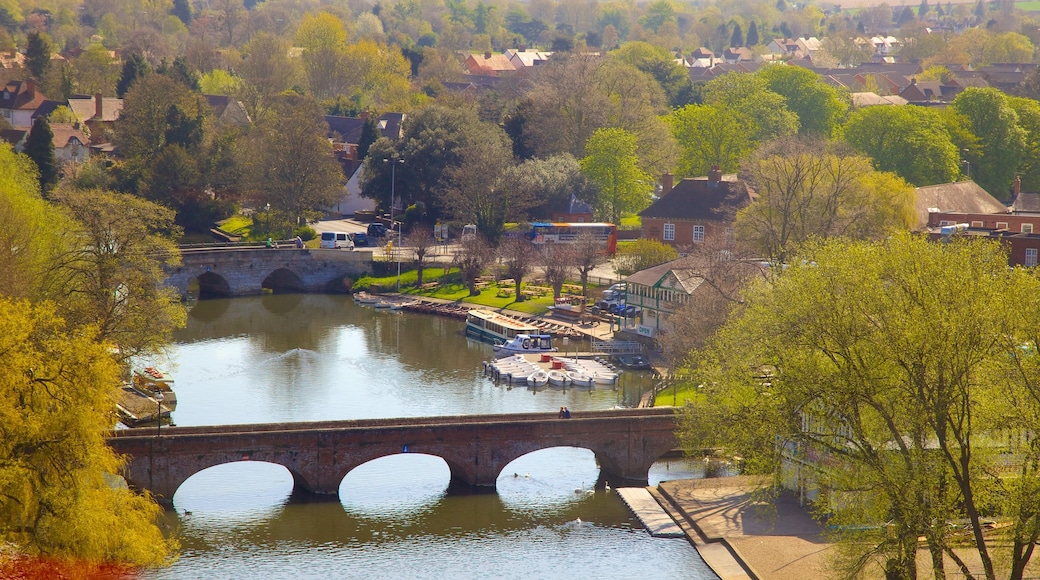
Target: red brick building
{"points": [[697, 210]]}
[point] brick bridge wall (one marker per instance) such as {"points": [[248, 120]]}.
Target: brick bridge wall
{"points": [[476, 448], [243, 271]]}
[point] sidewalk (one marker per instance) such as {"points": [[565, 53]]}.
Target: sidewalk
{"points": [[741, 539]]}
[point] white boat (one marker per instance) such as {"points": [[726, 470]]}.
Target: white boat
{"points": [[558, 378], [526, 344], [496, 328], [539, 379], [579, 379], [366, 298], [382, 304]]}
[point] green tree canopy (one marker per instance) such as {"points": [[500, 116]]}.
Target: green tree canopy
{"points": [[1001, 141], [819, 106], [711, 135], [39, 146], [911, 142], [613, 166], [806, 191], [748, 96], [884, 361]]}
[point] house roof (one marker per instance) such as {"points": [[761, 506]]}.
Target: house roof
{"points": [[1026, 202], [527, 57], [869, 99], [85, 107], [21, 96], [349, 128], [64, 132], [672, 274], [959, 197], [491, 63], [13, 136], [700, 199]]}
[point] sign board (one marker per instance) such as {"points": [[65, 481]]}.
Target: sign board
{"points": [[642, 330]]}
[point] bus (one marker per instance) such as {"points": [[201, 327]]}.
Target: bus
{"points": [[568, 232]]}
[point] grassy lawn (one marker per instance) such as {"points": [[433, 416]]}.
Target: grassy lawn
{"points": [[237, 225], [632, 222], [450, 287]]}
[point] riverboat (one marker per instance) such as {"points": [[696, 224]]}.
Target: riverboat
{"points": [[150, 380], [495, 328], [526, 344]]}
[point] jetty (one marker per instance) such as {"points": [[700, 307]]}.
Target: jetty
{"points": [[650, 513]]}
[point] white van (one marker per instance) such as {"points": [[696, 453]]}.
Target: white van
{"points": [[335, 240]]}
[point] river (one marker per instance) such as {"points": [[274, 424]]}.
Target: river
{"points": [[287, 358]]}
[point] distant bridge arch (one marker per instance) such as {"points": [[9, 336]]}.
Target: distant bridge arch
{"points": [[248, 271], [476, 448]]}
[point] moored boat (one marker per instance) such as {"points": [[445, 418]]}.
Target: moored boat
{"points": [[366, 298], [496, 328], [526, 344], [150, 380], [558, 378], [539, 378], [579, 379]]}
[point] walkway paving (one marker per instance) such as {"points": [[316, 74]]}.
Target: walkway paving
{"points": [[740, 538], [650, 513]]}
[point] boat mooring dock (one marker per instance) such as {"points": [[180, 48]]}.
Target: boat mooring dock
{"points": [[650, 514]]}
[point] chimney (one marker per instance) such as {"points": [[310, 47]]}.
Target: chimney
{"points": [[99, 108], [487, 54], [667, 181], [714, 174]]}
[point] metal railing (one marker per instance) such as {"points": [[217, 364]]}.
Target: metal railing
{"points": [[617, 347]]}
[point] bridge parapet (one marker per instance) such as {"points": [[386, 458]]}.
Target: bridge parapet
{"points": [[476, 448], [246, 271]]}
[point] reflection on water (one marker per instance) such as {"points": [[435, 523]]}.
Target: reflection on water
{"points": [[304, 358]]}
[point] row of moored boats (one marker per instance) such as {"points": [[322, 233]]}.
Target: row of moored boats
{"points": [[561, 372]]}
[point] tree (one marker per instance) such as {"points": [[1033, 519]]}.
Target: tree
{"points": [[805, 191], [266, 71], [39, 146], [612, 166], [913, 144], [642, 254], [588, 253], [1028, 112], [56, 403], [1001, 141], [369, 134], [711, 136], [518, 256], [94, 70], [472, 258], [134, 67], [557, 263], [420, 240], [818, 105], [474, 192], [323, 39], [38, 50], [550, 184], [737, 40], [748, 98], [288, 161], [752, 35], [658, 63], [891, 377], [115, 270]]}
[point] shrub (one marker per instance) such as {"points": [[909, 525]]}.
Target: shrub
{"points": [[306, 233]]}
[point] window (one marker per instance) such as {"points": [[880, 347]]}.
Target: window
{"points": [[1002, 225], [978, 224], [1030, 257], [669, 232], [945, 223], [698, 233], [1027, 228]]}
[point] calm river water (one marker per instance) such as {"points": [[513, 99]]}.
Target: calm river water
{"points": [[310, 357]]}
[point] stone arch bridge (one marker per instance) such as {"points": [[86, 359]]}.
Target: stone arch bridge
{"points": [[475, 447], [248, 271]]}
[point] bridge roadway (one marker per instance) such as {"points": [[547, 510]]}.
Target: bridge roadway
{"points": [[476, 448]]}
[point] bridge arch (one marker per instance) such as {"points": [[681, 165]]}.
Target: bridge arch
{"points": [[283, 281], [210, 285]]}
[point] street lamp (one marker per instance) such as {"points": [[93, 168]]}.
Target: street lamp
{"points": [[393, 170], [159, 398]]}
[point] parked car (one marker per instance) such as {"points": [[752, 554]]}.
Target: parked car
{"points": [[360, 240], [376, 230]]}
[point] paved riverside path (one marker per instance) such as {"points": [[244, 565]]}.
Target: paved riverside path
{"points": [[650, 513], [740, 538]]}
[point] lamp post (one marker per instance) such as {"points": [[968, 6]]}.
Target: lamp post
{"points": [[393, 170], [158, 413]]}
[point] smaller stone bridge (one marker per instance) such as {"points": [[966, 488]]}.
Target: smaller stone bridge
{"points": [[248, 271], [475, 447]]}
